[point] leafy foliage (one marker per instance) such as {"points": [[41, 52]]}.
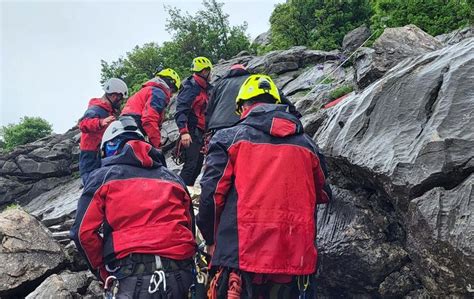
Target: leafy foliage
{"points": [[434, 16], [340, 91], [207, 33], [319, 24], [29, 129]]}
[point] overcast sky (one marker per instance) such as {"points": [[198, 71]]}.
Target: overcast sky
{"points": [[51, 50]]}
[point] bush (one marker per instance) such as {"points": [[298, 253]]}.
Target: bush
{"points": [[340, 91], [28, 130], [434, 16]]}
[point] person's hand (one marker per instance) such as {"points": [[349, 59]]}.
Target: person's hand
{"points": [[210, 249], [186, 140], [104, 122]]}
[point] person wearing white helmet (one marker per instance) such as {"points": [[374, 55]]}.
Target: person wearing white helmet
{"points": [[146, 246], [99, 114]]}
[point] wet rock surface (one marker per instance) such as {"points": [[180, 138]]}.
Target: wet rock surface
{"points": [[408, 140], [27, 253]]}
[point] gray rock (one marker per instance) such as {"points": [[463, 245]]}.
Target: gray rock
{"points": [[308, 79], [399, 283], [220, 69], [278, 62], [263, 39], [441, 238], [353, 39], [359, 243], [315, 99], [394, 45], [403, 136], [456, 36], [32, 168], [64, 285], [57, 205], [27, 252], [283, 80]]}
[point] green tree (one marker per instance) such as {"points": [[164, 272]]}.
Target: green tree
{"points": [[434, 16], [319, 24], [207, 33], [29, 129]]}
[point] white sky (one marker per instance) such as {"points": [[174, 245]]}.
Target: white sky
{"points": [[50, 51]]}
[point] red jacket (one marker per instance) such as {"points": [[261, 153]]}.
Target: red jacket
{"points": [[192, 104], [262, 181], [150, 103], [142, 206], [89, 124]]}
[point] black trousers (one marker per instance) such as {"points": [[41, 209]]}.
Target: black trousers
{"points": [[193, 158]]}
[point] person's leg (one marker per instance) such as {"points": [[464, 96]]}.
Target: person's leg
{"points": [[88, 161], [192, 158]]}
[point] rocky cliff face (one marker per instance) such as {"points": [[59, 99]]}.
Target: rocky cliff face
{"points": [[400, 150]]}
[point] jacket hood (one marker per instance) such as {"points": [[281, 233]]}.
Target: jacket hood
{"points": [[273, 119], [101, 103], [159, 83], [137, 153], [236, 73]]}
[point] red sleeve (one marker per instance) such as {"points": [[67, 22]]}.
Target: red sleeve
{"points": [[88, 234], [87, 125], [153, 115]]}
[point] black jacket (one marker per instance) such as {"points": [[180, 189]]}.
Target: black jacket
{"points": [[221, 107]]}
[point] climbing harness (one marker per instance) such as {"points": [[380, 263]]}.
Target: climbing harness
{"points": [[164, 137], [111, 293], [177, 154], [158, 273], [303, 284], [198, 288]]}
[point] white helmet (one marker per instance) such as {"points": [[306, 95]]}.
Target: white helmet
{"points": [[125, 125], [115, 85]]}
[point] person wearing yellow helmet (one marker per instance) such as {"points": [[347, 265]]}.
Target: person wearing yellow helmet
{"points": [[148, 105], [261, 184], [190, 117]]}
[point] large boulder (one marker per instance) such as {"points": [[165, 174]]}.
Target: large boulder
{"points": [[279, 62], [65, 285], [355, 38], [313, 75], [58, 205], [37, 167], [441, 237], [28, 252], [407, 134], [394, 45], [263, 39], [456, 36]]}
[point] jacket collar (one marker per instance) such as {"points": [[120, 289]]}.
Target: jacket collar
{"points": [[136, 153]]}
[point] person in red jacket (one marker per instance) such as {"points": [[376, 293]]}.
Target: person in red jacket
{"points": [[134, 220], [262, 181], [99, 114], [190, 118], [148, 105]]}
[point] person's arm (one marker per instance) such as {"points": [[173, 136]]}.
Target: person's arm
{"points": [[215, 184], [85, 230], [184, 101], [323, 190], [152, 115], [92, 121]]}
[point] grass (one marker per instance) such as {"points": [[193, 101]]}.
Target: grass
{"points": [[340, 91]]}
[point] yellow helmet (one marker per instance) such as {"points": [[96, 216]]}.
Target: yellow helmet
{"points": [[172, 75], [254, 86], [200, 63]]}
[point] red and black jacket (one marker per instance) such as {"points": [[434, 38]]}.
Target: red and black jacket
{"points": [[142, 206], [262, 181], [149, 104], [90, 126], [191, 104]]}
